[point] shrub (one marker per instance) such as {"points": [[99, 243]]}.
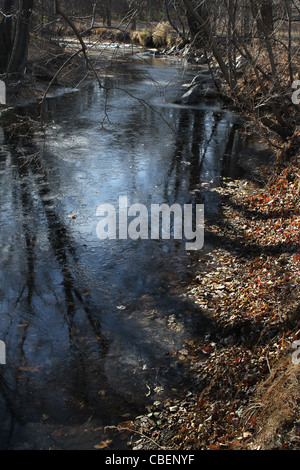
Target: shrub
{"points": [[145, 38], [164, 35]]}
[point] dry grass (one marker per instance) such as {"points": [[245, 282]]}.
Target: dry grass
{"points": [[164, 35], [143, 37], [161, 35], [149, 34], [276, 407], [107, 34]]}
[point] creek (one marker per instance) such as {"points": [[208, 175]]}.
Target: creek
{"points": [[91, 326]]}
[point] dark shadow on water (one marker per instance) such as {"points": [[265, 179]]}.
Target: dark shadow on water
{"points": [[92, 329]]}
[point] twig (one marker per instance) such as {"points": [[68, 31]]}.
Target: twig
{"points": [[119, 428], [58, 72]]}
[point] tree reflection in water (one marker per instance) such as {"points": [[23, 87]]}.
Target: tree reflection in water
{"points": [[73, 355]]}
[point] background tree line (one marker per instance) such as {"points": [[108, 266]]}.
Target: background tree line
{"points": [[254, 43]]}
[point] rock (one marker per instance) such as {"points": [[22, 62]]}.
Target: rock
{"points": [[173, 50], [190, 60], [196, 92], [209, 93], [201, 60], [205, 79], [192, 95], [186, 52], [139, 447], [188, 55], [201, 79]]}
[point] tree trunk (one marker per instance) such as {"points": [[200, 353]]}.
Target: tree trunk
{"points": [[108, 13], [203, 24], [14, 35], [266, 11], [198, 36], [6, 35]]}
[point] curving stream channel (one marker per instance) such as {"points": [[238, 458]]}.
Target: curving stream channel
{"points": [[90, 325]]}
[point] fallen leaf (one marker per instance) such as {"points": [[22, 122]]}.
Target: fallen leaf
{"points": [[103, 445]]}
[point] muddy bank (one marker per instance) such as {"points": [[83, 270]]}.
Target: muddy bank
{"points": [[57, 67], [45, 59]]}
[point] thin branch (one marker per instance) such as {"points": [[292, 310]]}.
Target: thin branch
{"points": [[88, 63], [57, 73], [121, 428], [6, 16]]}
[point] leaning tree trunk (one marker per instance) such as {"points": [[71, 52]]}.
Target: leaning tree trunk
{"points": [[198, 37], [14, 36]]}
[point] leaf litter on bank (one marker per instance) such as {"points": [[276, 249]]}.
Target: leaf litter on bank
{"points": [[249, 285]]}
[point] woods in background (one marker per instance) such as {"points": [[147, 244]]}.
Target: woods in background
{"points": [[252, 44]]}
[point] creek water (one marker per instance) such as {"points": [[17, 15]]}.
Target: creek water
{"points": [[91, 326]]}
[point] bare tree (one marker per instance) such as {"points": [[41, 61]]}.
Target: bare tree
{"points": [[260, 86], [266, 12], [14, 35]]}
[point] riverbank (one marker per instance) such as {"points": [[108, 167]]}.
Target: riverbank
{"points": [[45, 73], [58, 66], [246, 390], [55, 67]]}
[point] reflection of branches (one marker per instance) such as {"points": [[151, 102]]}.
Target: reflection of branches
{"points": [[62, 245], [147, 105], [8, 409], [212, 134], [90, 66]]}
